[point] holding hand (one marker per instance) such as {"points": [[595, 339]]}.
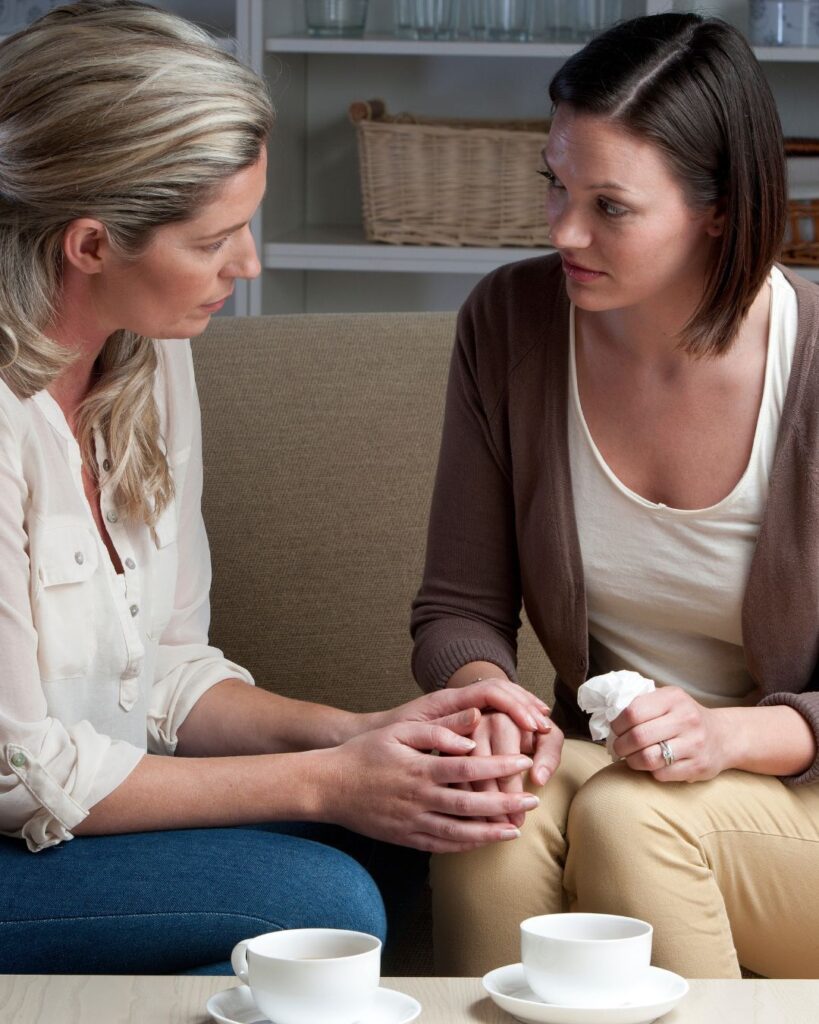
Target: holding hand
{"points": [[671, 735], [523, 708], [500, 734], [385, 784]]}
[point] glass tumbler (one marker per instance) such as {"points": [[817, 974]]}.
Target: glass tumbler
{"points": [[333, 18], [435, 19], [555, 20], [509, 20], [405, 19], [595, 15]]}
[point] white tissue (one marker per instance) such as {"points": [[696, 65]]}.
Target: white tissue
{"points": [[604, 697]]}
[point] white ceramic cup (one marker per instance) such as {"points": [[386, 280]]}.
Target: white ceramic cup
{"points": [[305, 975], [585, 959]]}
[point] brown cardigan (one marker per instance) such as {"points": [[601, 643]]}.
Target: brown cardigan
{"points": [[502, 526]]}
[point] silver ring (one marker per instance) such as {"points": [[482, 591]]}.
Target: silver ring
{"points": [[668, 753]]}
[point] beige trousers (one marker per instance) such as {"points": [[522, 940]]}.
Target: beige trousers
{"points": [[727, 871]]}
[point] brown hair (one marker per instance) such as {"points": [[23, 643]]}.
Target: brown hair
{"points": [[693, 87]]}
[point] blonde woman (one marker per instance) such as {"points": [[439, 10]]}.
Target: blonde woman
{"points": [[132, 158]]}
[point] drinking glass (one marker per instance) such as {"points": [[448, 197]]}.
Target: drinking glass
{"points": [[595, 15], [436, 19], [508, 20], [477, 19], [405, 19], [336, 17], [554, 20]]}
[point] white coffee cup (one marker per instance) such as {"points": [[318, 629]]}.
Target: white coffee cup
{"points": [[305, 975], [585, 959]]}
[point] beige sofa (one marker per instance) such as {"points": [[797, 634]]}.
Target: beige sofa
{"points": [[320, 437]]}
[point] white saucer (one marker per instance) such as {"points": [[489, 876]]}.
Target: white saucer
{"points": [[236, 1006], [660, 992]]}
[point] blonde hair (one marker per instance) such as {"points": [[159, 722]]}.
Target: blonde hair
{"points": [[117, 111]]}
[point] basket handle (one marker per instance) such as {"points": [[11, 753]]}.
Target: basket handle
{"points": [[366, 110]]}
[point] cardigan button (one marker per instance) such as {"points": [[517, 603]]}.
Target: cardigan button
{"points": [[18, 760]]}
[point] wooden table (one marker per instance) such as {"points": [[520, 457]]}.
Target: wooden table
{"points": [[90, 999]]}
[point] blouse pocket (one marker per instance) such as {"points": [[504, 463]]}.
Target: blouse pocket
{"points": [[66, 559]]}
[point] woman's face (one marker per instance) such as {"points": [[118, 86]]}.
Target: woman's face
{"points": [[188, 269], [619, 218]]}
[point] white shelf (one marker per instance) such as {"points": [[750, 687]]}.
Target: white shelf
{"points": [[386, 45], [390, 45], [344, 248], [787, 54]]}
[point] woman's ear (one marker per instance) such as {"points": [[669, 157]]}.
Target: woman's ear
{"points": [[86, 245], [715, 222]]}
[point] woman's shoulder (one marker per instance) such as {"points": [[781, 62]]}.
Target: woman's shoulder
{"points": [[516, 312], [525, 286], [175, 392], [15, 414]]}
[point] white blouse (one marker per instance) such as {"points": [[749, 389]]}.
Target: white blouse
{"points": [[97, 667]]}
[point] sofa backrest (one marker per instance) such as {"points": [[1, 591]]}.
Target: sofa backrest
{"points": [[321, 437]]}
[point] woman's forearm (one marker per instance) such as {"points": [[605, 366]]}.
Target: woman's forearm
{"points": [[234, 718], [183, 792], [769, 741]]}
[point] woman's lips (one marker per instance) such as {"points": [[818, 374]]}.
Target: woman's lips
{"points": [[578, 273]]}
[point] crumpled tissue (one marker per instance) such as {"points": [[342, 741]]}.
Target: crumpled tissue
{"points": [[604, 697]]}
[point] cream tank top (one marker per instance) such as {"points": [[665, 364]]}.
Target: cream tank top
{"points": [[664, 586]]}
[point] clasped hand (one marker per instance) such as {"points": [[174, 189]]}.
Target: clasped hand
{"points": [[390, 785]]}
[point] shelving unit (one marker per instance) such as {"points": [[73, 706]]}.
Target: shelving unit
{"points": [[309, 231], [314, 253]]}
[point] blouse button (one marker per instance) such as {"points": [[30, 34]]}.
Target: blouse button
{"points": [[79, 557], [130, 563], [18, 760], [106, 465], [111, 516], [134, 610]]}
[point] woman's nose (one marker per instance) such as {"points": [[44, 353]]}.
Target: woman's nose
{"points": [[568, 228], [246, 262]]}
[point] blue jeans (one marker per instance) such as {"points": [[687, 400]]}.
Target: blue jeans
{"points": [[178, 901]]}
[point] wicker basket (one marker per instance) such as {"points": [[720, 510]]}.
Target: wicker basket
{"points": [[802, 235], [443, 182], [802, 232]]}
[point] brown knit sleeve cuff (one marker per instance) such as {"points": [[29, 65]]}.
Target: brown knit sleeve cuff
{"points": [[440, 669], [807, 704]]}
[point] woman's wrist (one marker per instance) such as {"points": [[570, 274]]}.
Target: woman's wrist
{"points": [[773, 740], [475, 672]]}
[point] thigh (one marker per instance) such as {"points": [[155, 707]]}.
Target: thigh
{"points": [[727, 871], [399, 872], [168, 902], [762, 841]]}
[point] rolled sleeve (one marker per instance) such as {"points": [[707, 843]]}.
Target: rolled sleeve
{"points": [[51, 776], [185, 674]]}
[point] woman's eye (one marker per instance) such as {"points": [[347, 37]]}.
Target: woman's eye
{"points": [[611, 209], [550, 178], [216, 246]]}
